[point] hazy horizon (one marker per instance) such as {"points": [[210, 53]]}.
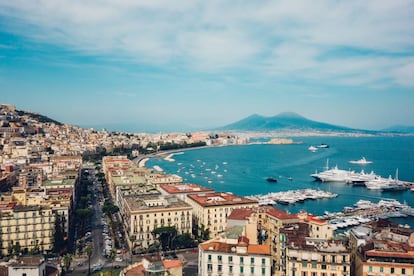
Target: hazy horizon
{"points": [[200, 65]]}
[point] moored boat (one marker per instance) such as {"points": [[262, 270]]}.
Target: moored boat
{"points": [[361, 161]]}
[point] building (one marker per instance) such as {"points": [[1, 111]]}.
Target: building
{"points": [[30, 266], [222, 256], [182, 190], [212, 209], [26, 228], [303, 255], [387, 249], [145, 213]]}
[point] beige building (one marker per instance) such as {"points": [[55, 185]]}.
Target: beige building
{"points": [[145, 213], [223, 256], [212, 209], [304, 255], [26, 228]]}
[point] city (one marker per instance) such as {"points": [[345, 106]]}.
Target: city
{"points": [[80, 201]]}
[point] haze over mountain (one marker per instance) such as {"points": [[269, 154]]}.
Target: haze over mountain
{"points": [[284, 121], [400, 128]]}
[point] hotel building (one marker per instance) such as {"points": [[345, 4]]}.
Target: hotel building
{"points": [[212, 209], [145, 213], [223, 256]]}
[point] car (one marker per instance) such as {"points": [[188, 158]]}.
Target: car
{"points": [[97, 268], [118, 259]]}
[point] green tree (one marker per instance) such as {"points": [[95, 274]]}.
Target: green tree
{"points": [[89, 251], [59, 235], [109, 208], [67, 260], [166, 236], [112, 255]]}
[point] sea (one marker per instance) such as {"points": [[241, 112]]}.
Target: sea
{"points": [[243, 169]]}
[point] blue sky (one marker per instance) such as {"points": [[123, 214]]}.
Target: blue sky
{"points": [[148, 65]]}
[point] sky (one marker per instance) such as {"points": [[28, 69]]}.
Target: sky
{"points": [[159, 65]]}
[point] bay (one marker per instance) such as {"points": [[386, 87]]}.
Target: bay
{"points": [[243, 169]]}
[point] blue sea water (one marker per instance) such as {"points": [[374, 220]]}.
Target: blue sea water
{"points": [[243, 170]]}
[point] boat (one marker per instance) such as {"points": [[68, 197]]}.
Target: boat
{"points": [[323, 146], [312, 148], [271, 179], [361, 161]]}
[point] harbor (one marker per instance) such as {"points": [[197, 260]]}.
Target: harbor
{"points": [[292, 196], [365, 211]]}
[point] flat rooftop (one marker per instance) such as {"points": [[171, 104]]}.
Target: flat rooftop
{"points": [[184, 188], [220, 199]]}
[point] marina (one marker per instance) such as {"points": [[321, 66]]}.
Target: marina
{"points": [[365, 211], [291, 197]]}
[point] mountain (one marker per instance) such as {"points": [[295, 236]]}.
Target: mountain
{"points": [[283, 121], [400, 128]]}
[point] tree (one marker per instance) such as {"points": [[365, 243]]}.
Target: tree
{"points": [[112, 255], [109, 209], [185, 241], [89, 251], [59, 237], [67, 260], [166, 236]]}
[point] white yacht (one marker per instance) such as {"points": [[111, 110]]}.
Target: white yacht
{"points": [[361, 161], [312, 148]]}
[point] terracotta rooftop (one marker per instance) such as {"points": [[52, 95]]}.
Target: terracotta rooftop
{"points": [[172, 263], [277, 213], [218, 246], [220, 199], [241, 213], [184, 188], [136, 271]]}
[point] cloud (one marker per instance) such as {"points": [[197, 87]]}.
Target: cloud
{"points": [[274, 38]]}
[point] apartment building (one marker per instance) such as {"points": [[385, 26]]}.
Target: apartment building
{"points": [[31, 177], [26, 228], [382, 248], [224, 256], [210, 210], [303, 255], [145, 213]]}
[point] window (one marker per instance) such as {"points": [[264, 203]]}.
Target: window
{"points": [[252, 260], [220, 258], [392, 270], [231, 269], [313, 273], [209, 257], [220, 268], [403, 271], [344, 258], [263, 261], [263, 271], [304, 265], [381, 269], [323, 258], [323, 266], [241, 269], [344, 268], [313, 265], [370, 269], [209, 267], [230, 259], [304, 273], [252, 270], [333, 258], [241, 260]]}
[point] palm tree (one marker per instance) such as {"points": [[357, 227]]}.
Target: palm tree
{"points": [[67, 260], [112, 255], [89, 251]]}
